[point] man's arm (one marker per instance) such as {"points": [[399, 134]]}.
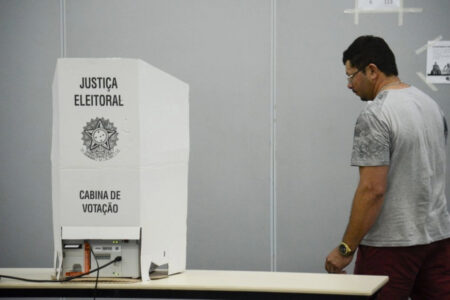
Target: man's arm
{"points": [[367, 203]]}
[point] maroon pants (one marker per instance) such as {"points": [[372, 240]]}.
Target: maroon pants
{"points": [[419, 272]]}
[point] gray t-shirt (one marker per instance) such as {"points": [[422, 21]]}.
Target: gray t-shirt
{"points": [[406, 130]]}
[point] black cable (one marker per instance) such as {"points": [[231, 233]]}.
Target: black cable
{"points": [[118, 258], [98, 271]]}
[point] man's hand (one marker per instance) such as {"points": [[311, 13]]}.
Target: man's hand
{"points": [[335, 262]]}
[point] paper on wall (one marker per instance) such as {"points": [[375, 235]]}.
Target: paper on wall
{"points": [[438, 62]]}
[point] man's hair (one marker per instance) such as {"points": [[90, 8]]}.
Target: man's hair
{"points": [[369, 49]]}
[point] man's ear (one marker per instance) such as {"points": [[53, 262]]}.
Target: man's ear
{"points": [[372, 71]]}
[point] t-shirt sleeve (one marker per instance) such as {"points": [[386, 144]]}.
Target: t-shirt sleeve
{"points": [[371, 141]]}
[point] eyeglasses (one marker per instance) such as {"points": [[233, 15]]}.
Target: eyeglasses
{"points": [[350, 77]]}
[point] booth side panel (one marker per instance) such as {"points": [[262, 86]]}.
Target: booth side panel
{"points": [[164, 123], [57, 246], [164, 216]]}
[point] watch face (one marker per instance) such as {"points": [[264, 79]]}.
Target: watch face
{"points": [[343, 250]]}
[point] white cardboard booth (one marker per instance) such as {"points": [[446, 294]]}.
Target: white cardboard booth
{"points": [[120, 151]]}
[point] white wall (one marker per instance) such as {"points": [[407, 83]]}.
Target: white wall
{"points": [[270, 184]]}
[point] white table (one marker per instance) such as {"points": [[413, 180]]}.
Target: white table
{"points": [[202, 284]]}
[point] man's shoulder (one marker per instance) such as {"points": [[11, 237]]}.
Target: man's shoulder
{"points": [[375, 106], [392, 99]]}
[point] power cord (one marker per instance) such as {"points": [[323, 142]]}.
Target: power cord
{"points": [[118, 258], [98, 272]]}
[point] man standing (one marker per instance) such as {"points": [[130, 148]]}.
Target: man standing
{"points": [[399, 220]]}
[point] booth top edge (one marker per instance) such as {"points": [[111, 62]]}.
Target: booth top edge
{"points": [[92, 60], [102, 60]]}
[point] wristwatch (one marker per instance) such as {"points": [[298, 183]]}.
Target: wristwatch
{"points": [[345, 249]]}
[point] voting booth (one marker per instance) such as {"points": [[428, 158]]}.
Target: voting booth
{"points": [[120, 150]]}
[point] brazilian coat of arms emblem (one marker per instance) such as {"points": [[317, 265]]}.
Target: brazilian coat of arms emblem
{"points": [[99, 138]]}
